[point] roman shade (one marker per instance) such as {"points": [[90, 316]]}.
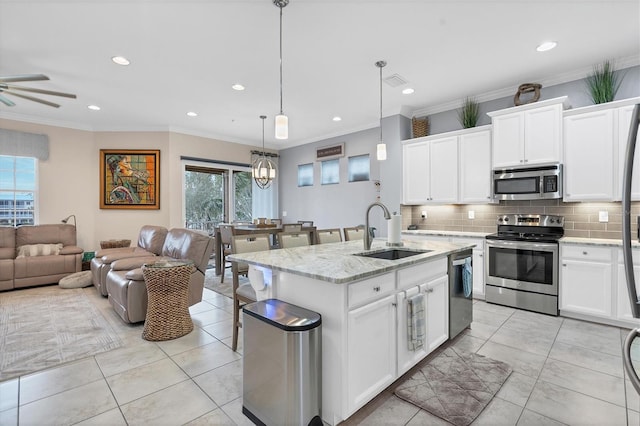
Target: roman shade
{"points": [[23, 144]]}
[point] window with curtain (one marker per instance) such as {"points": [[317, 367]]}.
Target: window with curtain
{"points": [[359, 168], [331, 172], [18, 190]]}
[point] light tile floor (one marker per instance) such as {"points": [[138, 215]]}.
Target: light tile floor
{"points": [[565, 372]]}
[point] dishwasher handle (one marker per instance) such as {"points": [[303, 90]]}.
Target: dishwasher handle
{"points": [[460, 262]]}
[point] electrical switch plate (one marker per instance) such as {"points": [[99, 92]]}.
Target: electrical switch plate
{"points": [[284, 213], [472, 214], [424, 214], [603, 216]]}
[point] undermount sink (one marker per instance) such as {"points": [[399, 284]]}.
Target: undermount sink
{"points": [[392, 253]]}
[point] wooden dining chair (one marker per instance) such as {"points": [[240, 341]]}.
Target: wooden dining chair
{"points": [[226, 234], [293, 239], [276, 221], [305, 223], [355, 233], [324, 236], [291, 227], [244, 293]]}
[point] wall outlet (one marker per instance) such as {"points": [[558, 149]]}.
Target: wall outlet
{"points": [[284, 213], [472, 214], [424, 214], [603, 216]]}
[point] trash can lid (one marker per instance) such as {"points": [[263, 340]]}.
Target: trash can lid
{"points": [[283, 315]]}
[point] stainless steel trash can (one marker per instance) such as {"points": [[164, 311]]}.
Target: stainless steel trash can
{"points": [[282, 365]]}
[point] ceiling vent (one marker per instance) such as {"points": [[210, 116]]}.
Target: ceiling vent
{"points": [[395, 80]]}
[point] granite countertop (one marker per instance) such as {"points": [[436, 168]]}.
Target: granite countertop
{"points": [[597, 242], [436, 232], [335, 262]]}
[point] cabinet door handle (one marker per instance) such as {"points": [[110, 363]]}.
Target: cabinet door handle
{"points": [[394, 304], [585, 253], [526, 161], [429, 290], [480, 255], [564, 264], [376, 288]]}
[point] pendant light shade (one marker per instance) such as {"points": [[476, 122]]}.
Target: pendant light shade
{"points": [[263, 170], [381, 148], [281, 121]]}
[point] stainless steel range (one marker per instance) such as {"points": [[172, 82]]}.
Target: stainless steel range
{"points": [[522, 262]]}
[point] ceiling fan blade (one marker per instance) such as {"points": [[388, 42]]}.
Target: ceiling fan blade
{"points": [[6, 101], [23, 77], [31, 98], [30, 89]]}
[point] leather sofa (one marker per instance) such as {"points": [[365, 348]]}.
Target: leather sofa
{"points": [[32, 255], [150, 241], [125, 284]]}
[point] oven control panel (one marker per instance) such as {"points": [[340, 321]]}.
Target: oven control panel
{"points": [[531, 220]]}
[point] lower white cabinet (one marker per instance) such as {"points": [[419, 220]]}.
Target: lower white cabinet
{"points": [[437, 311], [371, 350], [585, 280], [623, 307]]}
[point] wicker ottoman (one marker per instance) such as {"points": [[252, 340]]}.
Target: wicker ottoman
{"points": [[168, 300]]}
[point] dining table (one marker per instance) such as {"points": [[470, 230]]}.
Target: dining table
{"points": [[270, 229]]}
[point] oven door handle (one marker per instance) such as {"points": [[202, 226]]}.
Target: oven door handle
{"points": [[522, 245]]}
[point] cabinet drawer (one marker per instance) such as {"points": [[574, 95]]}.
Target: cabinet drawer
{"points": [[601, 254], [370, 290], [421, 273]]}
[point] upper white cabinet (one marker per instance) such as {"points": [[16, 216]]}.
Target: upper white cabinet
{"points": [[528, 134], [595, 139], [475, 167], [588, 153], [453, 167]]}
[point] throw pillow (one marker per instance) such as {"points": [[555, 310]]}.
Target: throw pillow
{"points": [[39, 250]]}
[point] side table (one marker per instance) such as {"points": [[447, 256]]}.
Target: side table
{"points": [[168, 300]]}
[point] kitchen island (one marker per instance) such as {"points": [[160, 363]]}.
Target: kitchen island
{"points": [[363, 302]]}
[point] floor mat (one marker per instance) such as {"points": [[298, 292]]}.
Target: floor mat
{"points": [[47, 326], [455, 385]]}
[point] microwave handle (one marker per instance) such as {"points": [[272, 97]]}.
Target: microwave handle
{"points": [[541, 185]]}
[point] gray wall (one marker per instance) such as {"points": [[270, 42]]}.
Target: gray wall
{"points": [[447, 121]]}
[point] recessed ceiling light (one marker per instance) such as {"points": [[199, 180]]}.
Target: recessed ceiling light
{"points": [[407, 91], [336, 118], [237, 86], [94, 107], [547, 45], [120, 60], [192, 114]]}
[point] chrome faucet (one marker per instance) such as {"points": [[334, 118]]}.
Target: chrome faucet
{"points": [[367, 235]]}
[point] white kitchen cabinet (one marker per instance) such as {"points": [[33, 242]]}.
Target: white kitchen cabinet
{"points": [[589, 155], [623, 307], [478, 272], [437, 311], [595, 138], [371, 350], [586, 280], [475, 167], [415, 173], [528, 134], [453, 167], [432, 281]]}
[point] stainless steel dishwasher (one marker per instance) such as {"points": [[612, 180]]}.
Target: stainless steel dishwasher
{"points": [[460, 291]]}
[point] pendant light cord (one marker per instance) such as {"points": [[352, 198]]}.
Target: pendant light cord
{"points": [[281, 60], [381, 104]]}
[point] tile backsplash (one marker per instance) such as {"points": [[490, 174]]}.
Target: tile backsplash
{"points": [[581, 219]]}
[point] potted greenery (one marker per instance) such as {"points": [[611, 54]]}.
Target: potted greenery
{"points": [[603, 83], [469, 113]]}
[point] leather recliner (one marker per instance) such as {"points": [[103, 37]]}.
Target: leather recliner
{"points": [[125, 283], [150, 242]]}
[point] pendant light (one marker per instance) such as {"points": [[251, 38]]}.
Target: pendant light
{"points": [[263, 169], [282, 121], [381, 148]]}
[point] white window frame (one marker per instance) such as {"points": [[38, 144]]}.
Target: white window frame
{"points": [[35, 191]]}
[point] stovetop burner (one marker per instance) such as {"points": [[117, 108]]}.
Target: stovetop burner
{"points": [[529, 227]]}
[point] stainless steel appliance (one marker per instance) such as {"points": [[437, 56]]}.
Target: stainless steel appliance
{"points": [[460, 292], [522, 259], [541, 181]]}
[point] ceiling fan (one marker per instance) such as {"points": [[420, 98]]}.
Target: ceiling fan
{"points": [[7, 87]]}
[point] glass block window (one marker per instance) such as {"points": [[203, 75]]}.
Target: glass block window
{"points": [[305, 174], [359, 168], [330, 172]]}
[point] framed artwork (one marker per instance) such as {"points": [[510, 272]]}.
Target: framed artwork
{"points": [[130, 179]]}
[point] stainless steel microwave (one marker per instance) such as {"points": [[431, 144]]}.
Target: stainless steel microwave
{"points": [[534, 182]]}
